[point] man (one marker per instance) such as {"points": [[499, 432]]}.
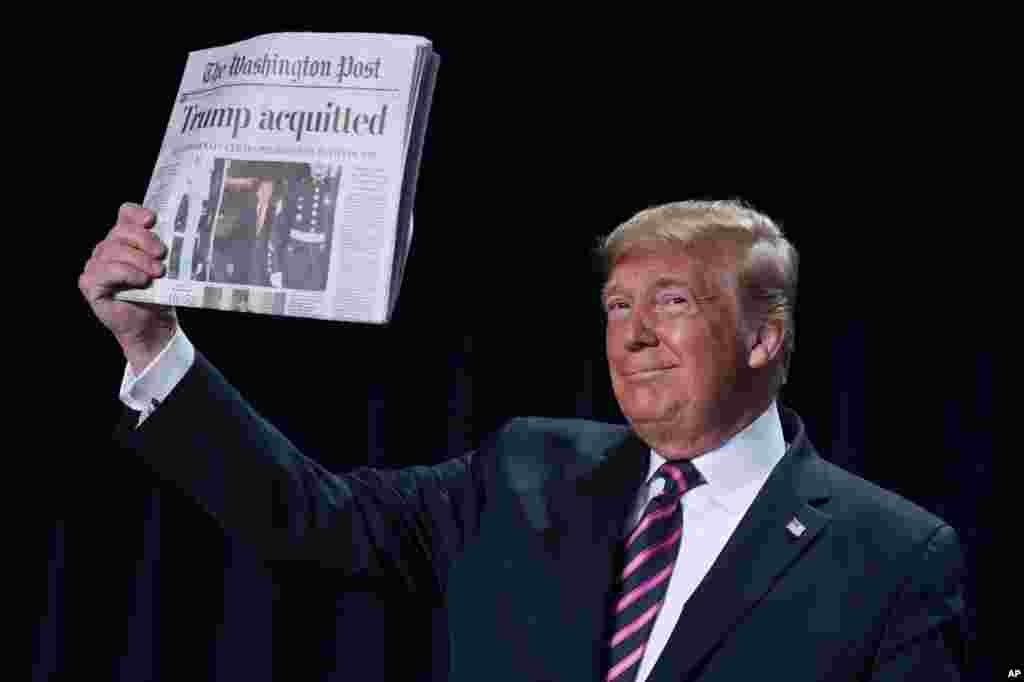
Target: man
{"points": [[302, 236], [242, 232], [706, 541]]}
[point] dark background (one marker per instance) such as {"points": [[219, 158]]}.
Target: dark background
{"points": [[542, 137]]}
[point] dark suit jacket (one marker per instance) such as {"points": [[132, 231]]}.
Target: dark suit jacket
{"points": [[520, 540]]}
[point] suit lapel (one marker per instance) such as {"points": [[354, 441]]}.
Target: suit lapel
{"points": [[585, 518], [757, 554]]}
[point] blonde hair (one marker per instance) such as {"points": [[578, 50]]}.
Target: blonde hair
{"points": [[767, 261]]}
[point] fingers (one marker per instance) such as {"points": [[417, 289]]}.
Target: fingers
{"points": [[133, 213], [134, 227], [124, 253], [100, 279], [128, 258]]}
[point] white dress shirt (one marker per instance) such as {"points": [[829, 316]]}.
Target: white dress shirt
{"points": [[150, 387], [734, 472]]}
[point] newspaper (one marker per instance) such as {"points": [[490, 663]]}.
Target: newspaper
{"points": [[286, 178]]}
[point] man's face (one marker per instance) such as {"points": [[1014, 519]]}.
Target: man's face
{"points": [[675, 346]]}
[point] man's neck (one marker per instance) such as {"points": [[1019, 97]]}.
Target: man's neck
{"points": [[669, 442]]}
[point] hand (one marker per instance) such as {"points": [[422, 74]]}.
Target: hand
{"points": [[276, 280], [129, 258]]}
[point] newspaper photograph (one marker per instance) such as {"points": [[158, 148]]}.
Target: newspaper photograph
{"points": [[286, 178]]}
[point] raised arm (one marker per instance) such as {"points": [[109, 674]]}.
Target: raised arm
{"points": [[210, 442], [206, 439]]}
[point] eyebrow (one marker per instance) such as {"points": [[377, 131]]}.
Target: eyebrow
{"points": [[660, 283]]}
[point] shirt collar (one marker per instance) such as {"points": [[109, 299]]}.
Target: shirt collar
{"points": [[736, 470]]}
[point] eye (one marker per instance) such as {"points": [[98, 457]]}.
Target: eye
{"points": [[616, 307], [672, 299]]}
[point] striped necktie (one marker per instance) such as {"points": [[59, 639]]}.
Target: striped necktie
{"points": [[650, 554]]}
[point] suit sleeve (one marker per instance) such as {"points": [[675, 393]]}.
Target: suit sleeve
{"points": [[925, 637], [406, 523]]}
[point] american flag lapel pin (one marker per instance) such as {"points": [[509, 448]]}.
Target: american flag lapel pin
{"points": [[795, 528]]}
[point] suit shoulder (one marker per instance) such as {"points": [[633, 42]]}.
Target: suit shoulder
{"points": [[531, 450], [871, 509]]}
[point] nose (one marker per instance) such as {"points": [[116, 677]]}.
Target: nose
{"points": [[640, 333]]}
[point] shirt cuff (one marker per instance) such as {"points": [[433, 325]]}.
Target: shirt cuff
{"points": [[144, 391]]}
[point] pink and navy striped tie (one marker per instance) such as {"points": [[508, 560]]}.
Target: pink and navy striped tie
{"points": [[650, 554]]}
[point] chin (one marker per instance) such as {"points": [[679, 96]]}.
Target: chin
{"points": [[656, 418], [654, 415], [656, 433]]}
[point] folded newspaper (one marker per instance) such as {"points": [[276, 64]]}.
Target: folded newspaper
{"points": [[286, 178]]}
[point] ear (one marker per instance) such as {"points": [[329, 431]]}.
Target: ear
{"points": [[765, 343]]}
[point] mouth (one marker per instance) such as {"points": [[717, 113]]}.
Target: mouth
{"points": [[649, 372]]}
